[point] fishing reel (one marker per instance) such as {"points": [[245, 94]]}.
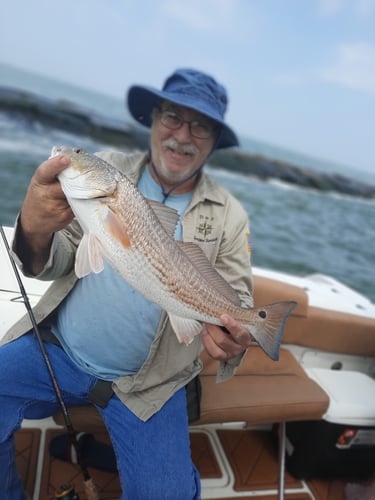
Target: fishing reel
{"points": [[66, 492]]}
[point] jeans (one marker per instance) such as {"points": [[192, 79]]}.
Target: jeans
{"points": [[153, 457]]}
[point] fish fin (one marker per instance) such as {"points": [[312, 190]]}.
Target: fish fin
{"points": [[167, 216], [197, 257], [185, 329], [268, 328], [89, 257], [117, 229]]}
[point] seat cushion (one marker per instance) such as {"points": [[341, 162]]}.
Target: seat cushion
{"points": [[262, 391]]}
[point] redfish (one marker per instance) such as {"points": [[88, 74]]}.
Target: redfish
{"points": [[135, 236]]}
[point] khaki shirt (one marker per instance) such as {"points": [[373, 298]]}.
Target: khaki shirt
{"points": [[215, 221]]}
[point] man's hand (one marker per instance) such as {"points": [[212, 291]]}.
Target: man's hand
{"points": [[45, 210], [221, 345]]}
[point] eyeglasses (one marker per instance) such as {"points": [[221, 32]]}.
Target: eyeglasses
{"points": [[198, 129]]}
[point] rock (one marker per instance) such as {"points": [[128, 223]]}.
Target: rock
{"points": [[266, 168]]}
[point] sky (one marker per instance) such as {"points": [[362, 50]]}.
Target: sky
{"points": [[300, 74]]}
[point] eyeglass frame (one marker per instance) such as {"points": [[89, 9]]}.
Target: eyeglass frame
{"points": [[211, 133]]}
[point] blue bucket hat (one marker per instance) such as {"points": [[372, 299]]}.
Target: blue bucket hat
{"points": [[190, 88]]}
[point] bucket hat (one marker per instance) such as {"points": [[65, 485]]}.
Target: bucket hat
{"points": [[185, 87]]}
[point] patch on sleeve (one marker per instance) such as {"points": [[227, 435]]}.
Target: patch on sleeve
{"points": [[248, 241]]}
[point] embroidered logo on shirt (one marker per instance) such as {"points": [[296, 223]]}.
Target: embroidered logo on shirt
{"points": [[205, 229]]}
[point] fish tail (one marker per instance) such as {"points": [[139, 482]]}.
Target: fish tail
{"points": [[268, 328]]}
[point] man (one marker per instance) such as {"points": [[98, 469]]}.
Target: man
{"points": [[107, 331]]}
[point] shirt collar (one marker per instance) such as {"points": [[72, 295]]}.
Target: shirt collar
{"points": [[207, 189]]}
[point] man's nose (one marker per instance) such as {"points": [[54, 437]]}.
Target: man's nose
{"points": [[183, 133]]}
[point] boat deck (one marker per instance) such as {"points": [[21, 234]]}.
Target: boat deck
{"points": [[234, 462]]}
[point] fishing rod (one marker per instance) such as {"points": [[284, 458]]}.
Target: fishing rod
{"points": [[90, 488]]}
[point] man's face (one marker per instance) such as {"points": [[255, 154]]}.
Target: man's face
{"points": [[176, 150]]}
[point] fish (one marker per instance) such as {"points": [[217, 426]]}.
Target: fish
{"points": [[135, 235]]}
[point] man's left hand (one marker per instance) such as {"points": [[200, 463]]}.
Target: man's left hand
{"points": [[223, 345]]}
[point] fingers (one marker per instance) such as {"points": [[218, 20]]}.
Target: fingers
{"points": [[237, 331], [48, 171], [212, 344], [45, 209], [221, 345]]}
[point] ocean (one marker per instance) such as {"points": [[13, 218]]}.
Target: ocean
{"points": [[293, 229]]}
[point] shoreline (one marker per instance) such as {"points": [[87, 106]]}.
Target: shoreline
{"points": [[67, 115]]}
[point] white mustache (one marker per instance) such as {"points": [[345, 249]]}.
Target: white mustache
{"points": [[180, 148]]}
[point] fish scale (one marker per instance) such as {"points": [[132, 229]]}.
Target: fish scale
{"points": [[135, 236]]}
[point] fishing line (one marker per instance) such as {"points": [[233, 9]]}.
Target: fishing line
{"points": [[90, 488]]}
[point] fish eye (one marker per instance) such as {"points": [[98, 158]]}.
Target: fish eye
{"points": [[77, 150], [262, 314]]}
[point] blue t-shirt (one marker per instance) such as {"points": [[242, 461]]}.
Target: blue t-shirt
{"points": [[106, 326]]}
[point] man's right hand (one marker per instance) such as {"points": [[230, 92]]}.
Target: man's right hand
{"points": [[45, 210]]}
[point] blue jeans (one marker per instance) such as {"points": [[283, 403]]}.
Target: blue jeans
{"points": [[153, 457]]}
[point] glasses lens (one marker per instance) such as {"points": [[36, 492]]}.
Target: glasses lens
{"points": [[201, 130], [198, 129], [171, 120]]}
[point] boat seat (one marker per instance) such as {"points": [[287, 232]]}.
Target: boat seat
{"points": [[261, 392], [332, 331]]}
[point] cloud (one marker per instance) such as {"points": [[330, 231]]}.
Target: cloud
{"points": [[354, 67]]}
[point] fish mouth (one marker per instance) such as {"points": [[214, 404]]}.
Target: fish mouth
{"points": [[58, 150], [55, 151]]}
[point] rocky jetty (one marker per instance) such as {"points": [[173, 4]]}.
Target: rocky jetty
{"points": [[268, 168], [69, 116]]}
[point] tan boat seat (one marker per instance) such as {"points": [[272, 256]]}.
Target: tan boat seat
{"points": [[262, 391]]}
